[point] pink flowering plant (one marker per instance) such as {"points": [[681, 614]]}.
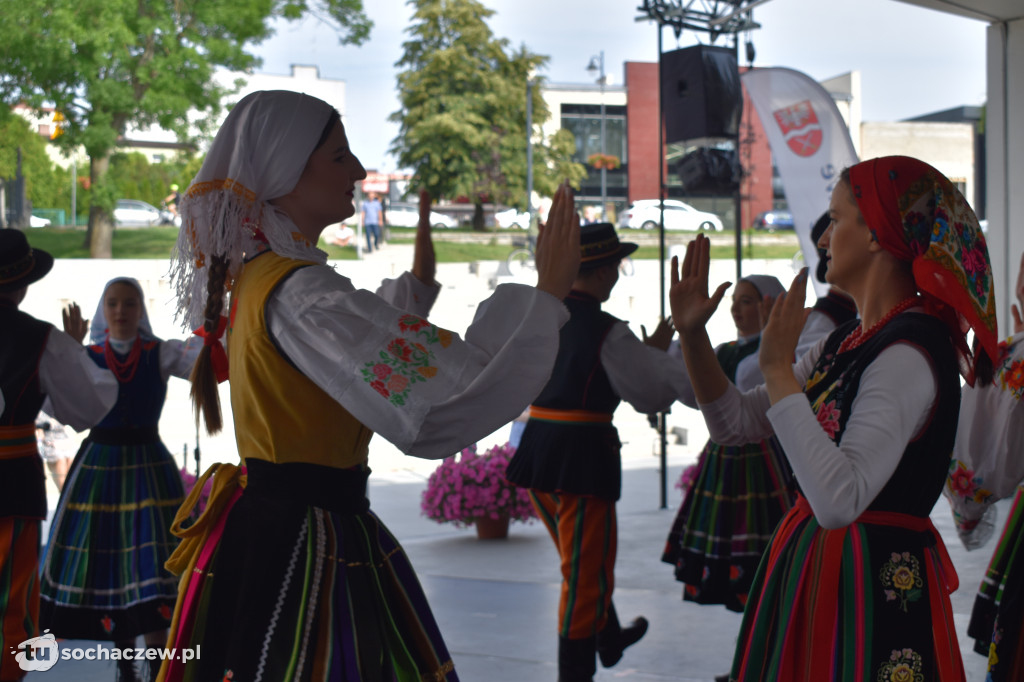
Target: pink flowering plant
{"points": [[468, 486]]}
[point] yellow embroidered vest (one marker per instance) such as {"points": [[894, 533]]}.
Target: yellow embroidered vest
{"points": [[281, 415]]}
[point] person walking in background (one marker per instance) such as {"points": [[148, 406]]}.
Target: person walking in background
{"points": [[36, 362], [103, 576], [171, 200], [288, 574], [569, 454], [987, 467], [855, 582], [373, 221]]}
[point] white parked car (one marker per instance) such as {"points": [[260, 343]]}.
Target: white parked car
{"points": [[512, 218], [36, 221], [644, 214], [408, 215], [135, 213]]}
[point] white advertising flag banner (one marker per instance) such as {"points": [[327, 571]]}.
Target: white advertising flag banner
{"points": [[810, 145]]}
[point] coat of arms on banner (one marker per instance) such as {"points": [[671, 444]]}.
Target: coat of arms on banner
{"points": [[800, 120]]}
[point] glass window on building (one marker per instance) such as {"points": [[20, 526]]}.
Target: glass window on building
{"points": [[584, 121]]}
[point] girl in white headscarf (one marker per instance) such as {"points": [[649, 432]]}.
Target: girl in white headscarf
{"points": [[737, 493], [103, 577], [288, 575]]}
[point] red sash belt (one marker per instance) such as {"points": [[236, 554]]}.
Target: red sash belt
{"points": [[18, 441], [570, 416]]}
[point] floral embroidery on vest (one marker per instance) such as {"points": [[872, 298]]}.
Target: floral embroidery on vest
{"points": [[902, 572], [828, 417], [903, 666], [405, 361]]}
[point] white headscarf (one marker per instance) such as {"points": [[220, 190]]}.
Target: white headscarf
{"points": [[766, 285], [98, 327], [259, 154]]}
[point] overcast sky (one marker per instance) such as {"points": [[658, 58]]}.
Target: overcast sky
{"points": [[912, 60]]}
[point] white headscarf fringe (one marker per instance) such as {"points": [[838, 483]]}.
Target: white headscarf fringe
{"points": [[258, 155]]}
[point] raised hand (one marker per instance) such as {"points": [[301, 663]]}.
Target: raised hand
{"points": [[778, 339], [558, 245], [662, 336], [74, 325], [424, 261], [692, 307]]}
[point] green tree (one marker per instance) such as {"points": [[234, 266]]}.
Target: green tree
{"points": [[110, 64], [462, 122], [46, 185]]}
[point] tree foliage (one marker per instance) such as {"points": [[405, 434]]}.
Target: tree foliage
{"points": [[108, 65], [462, 122]]}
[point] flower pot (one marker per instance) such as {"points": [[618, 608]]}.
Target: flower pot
{"points": [[492, 529]]}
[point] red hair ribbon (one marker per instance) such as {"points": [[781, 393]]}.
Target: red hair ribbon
{"points": [[218, 356]]}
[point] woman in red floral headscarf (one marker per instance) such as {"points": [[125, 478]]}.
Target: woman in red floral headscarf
{"points": [[855, 584]]}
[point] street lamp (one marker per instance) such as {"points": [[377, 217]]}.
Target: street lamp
{"points": [[596, 66]]}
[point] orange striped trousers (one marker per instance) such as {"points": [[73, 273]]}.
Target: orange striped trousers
{"points": [[19, 589], [585, 531]]}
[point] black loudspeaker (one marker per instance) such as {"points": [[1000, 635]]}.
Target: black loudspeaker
{"points": [[709, 170], [701, 95]]}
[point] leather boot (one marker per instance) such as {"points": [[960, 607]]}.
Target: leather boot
{"points": [[576, 659], [613, 639]]}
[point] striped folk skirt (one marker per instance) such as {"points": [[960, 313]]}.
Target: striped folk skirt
{"points": [[103, 576], [726, 520], [289, 576], [869, 601], [997, 620]]}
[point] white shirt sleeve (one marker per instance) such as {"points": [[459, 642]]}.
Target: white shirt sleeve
{"points": [[177, 357], [647, 378], [79, 392], [987, 462], [893, 403], [451, 391], [408, 293], [740, 417]]}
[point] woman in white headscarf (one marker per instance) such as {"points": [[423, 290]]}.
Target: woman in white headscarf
{"points": [[103, 577], [737, 493], [288, 575]]}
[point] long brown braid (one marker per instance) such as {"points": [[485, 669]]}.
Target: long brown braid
{"points": [[205, 396]]}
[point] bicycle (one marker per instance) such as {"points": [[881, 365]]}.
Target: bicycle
{"points": [[523, 260]]}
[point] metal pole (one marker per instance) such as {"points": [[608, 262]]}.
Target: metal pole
{"points": [[529, 148], [737, 192], [604, 171], [662, 427], [74, 189]]}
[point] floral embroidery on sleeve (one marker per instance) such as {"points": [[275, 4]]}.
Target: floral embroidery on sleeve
{"points": [[1011, 376], [902, 574], [962, 482], [904, 665], [406, 360]]}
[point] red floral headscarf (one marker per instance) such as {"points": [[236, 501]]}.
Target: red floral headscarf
{"points": [[917, 215]]}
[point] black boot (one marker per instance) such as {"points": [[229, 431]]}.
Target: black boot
{"points": [[613, 639], [576, 659]]}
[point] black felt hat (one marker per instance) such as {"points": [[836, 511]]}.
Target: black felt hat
{"points": [[600, 245], [20, 264]]}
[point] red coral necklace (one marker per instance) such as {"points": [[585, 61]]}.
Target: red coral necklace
{"points": [[124, 370], [858, 336]]}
